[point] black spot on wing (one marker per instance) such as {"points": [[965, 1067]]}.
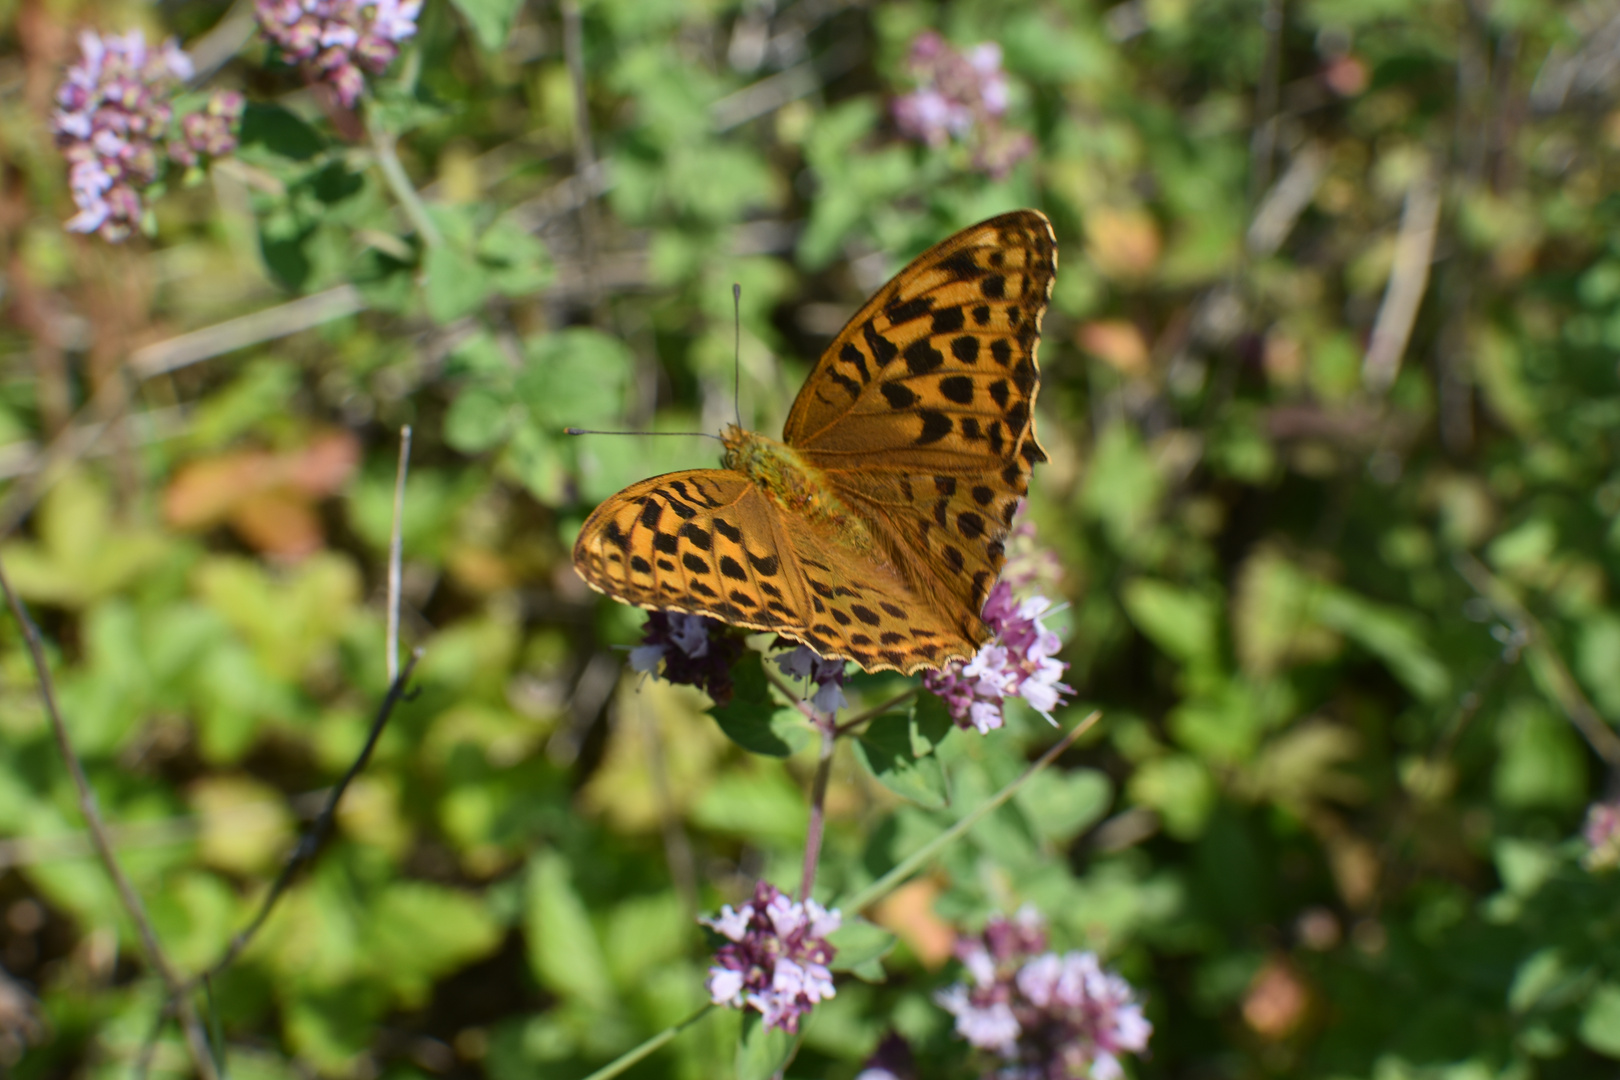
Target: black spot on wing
{"points": [[961, 265], [897, 395], [728, 530], [922, 357], [849, 354], [882, 349], [949, 320], [957, 388], [935, 426], [907, 310], [699, 538], [965, 349]]}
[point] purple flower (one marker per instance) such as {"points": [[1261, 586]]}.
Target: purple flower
{"points": [[113, 118], [892, 1060], [332, 40], [1044, 1015], [694, 649], [1016, 662], [776, 956], [1602, 834], [960, 96], [828, 675]]}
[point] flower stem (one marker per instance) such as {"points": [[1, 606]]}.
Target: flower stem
{"points": [[383, 145], [877, 710], [618, 1065], [883, 885], [818, 808]]}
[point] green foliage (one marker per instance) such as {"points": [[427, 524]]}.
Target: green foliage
{"points": [[1357, 650]]}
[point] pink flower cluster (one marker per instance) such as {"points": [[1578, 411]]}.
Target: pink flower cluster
{"points": [[776, 958], [695, 650], [1602, 834], [1016, 662], [962, 96], [1045, 1016], [114, 123], [334, 39], [828, 675]]}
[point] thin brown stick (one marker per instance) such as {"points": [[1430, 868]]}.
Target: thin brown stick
{"points": [[309, 845], [201, 1054], [1263, 144], [1408, 279], [584, 146], [396, 551]]}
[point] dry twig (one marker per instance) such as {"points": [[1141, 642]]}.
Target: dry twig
{"points": [[196, 1039]]}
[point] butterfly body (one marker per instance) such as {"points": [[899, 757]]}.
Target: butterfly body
{"points": [[794, 484], [874, 528]]}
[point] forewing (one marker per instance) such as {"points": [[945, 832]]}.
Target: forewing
{"points": [[702, 541], [921, 413], [938, 373]]}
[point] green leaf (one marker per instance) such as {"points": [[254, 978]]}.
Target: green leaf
{"points": [[456, 285], [491, 20], [1180, 789], [564, 952], [418, 932], [860, 946], [277, 131], [1600, 1024], [1396, 637], [1524, 865], [1542, 763], [887, 750], [1181, 622], [517, 263], [931, 723], [1060, 805], [762, 1052], [574, 377], [754, 720], [477, 420]]}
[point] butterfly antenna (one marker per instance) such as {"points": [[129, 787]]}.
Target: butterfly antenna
{"points": [[736, 350], [590, 431]]}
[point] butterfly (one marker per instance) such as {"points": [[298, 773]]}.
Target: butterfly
{"points": [[875, 528]]}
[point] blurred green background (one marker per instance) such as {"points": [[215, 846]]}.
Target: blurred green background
{"points": [[1333, 407]]}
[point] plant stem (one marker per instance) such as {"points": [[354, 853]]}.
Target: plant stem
{"points": [[877, 710], [916, 859], [626, 1060], [383, 145], [311, 841], [396, 550], [818, 808], [196, 1039]]}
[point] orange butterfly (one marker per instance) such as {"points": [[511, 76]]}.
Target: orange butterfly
{"points": [[873, 531]]}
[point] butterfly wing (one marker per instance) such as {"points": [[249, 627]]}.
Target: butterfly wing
{"points": [[921, 412], [708, 542], [702, 541]]}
